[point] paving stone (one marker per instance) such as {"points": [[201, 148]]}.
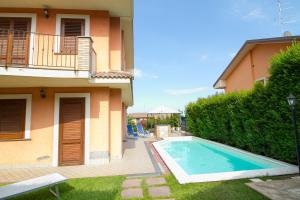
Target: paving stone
{"points": [[278, 189], [162, 191], [132, 193], [296, 177], [132, 183], [256, 180], [156, 181], [165, 199]]}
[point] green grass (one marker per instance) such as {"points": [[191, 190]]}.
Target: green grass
{"points": [[235, 189], [106, 188]]}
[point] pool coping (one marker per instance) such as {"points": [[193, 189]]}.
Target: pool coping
{"points": [[183, 177]]}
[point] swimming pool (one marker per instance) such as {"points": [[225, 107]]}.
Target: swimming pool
{"points": [[193, 159]]}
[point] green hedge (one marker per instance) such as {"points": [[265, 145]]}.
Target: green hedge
{"points": [[258, 120], [172, 120]]}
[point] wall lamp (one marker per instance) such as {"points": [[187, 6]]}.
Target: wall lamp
{"points": [[43, 93], [46, 13]]}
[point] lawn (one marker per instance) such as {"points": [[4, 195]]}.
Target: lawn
{"points": [[106, 188], [235, 189]]}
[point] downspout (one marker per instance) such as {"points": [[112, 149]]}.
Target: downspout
{"points": [[252, 67]]}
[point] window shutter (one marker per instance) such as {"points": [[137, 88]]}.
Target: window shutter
{"points": [[12, 118], [71, 28], [20, 42], [4, 30], [14, 40]]}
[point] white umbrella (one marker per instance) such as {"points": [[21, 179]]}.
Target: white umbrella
{"points": [[164, 110]]}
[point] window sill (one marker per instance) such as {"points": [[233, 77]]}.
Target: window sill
{"points": [[13, 140]]}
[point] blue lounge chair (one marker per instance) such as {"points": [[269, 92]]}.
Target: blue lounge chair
{"points": [[141, 131], [131, 133]]}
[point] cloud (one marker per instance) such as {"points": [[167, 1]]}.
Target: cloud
{"points": [[254, 14], [138, 73], [184, 91], [155, 76], [203, 57], [247, 10]]}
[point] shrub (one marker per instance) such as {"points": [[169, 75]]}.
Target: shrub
{"points": [[258, 120]]}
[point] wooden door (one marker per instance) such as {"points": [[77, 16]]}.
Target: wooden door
{"points": [[14, 40], [71, 131]]}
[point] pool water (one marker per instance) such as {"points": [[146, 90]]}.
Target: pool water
{"points": [[204, 157]]}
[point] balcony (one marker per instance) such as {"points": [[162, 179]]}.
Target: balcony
{"points": [[115, 7], [20, 49]]}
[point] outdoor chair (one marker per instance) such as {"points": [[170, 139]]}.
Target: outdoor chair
{"points": [[141, 131], [16, 189], [131, 133]]}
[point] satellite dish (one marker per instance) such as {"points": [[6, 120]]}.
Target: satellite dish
{"points": [[287, 34]]}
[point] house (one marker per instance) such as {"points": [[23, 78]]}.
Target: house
{"points": [[65, 81], [138, 117], [251, 64]]}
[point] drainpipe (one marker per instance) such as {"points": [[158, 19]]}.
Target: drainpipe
{"points": [[252, 67]]}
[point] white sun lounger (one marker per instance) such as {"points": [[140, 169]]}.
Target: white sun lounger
{"points": [[22, 187]]}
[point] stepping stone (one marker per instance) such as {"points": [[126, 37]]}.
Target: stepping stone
{"points": [[132, 183], [296, 177], [256, 180], [162, 191], [156, 181], [132, 193], [165, 199]]}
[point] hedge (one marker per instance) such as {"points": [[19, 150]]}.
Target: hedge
{"points": [[258, 120]]}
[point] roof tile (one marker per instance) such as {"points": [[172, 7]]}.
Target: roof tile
{"points": [[117, 74]]}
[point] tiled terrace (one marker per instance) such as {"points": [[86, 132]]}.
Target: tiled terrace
{"points": [[136, 161]]}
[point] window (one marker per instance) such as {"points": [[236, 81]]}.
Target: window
{"points": [[262, 80], [12, 118], [70, 29], [14, 40]]}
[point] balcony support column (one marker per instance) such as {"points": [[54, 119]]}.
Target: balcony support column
{"points": [[84, 47]]}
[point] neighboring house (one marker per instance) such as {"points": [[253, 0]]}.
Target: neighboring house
{"points": [[251, 64], [138, 117], [163, 112], [65, 81]]}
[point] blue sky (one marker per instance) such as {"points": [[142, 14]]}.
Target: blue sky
{"points": [[182, 46]]}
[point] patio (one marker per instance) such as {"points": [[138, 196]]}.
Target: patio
{"points": [[288, 189], [136, 161]]}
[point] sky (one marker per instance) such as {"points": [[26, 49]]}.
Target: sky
{"points": [[182, 46]]}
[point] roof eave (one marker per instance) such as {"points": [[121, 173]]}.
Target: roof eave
{"points": [[254, 42]]}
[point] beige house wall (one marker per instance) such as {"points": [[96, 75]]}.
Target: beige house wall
{"points": [[241, 77], [116, 109], [105, 127], [255, 65], [104, 30]]}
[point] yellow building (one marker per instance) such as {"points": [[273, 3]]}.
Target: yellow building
{"points": [[65, 81], [251, 64]]}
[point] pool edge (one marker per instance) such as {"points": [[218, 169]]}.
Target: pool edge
{"points": [[183, 178]]}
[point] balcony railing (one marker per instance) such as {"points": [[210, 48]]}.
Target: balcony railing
{"points": [[35, 50]]}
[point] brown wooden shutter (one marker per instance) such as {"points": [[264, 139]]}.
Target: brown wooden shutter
{"points": [[14, 40], [70, 29], [20, 41], [12, 118], [4, 32]]}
